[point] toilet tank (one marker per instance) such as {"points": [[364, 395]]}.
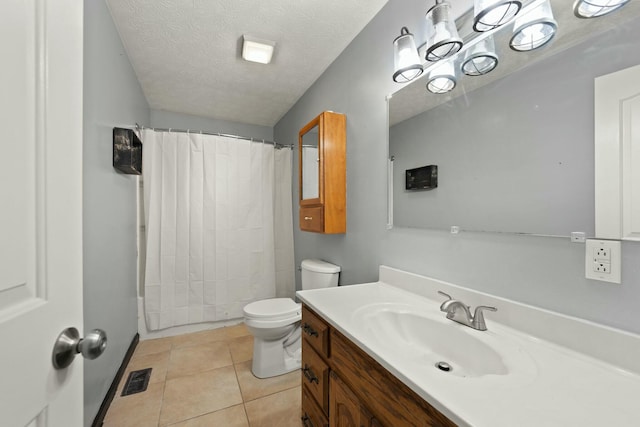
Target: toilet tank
{"points": [[317, 274]]}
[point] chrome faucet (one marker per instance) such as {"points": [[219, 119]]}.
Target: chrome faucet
{"points": [[460, 312]]}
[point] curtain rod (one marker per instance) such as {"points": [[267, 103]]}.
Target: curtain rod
{"points": [[275, 144]]}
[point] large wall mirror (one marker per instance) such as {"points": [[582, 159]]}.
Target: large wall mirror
{"points": [[515, 147]]}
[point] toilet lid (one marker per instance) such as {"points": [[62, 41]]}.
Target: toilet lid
{"points": [[272, 308]]}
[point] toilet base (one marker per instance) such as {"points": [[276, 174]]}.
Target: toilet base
{"points": [[276, 357]]}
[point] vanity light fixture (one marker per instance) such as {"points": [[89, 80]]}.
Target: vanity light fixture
{"points": [[442, 78], [481, 58], [595, 8], [406, 61], [257, 50], [490, 14], [535, 29], [443, 40]]}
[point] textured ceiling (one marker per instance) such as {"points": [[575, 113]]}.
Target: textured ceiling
{"points": [[186, 53]]}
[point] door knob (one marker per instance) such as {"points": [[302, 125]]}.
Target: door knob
{"points": [[69, 344]]}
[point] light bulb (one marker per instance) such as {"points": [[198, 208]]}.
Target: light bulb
{"points": [[407, 65], [596, 8], [490, 14], [535, 29], [443, 40]]}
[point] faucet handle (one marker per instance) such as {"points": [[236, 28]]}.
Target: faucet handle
{"points": [[478, 317], [446, 295]]}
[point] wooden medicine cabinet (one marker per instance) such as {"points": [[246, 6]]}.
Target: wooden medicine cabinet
{"points": [[322, 145]]}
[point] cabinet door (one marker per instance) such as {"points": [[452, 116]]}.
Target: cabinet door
{"points": [[368, 420], [345, 408]]}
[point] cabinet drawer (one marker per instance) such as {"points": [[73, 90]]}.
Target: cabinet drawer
{"points": [[312, 219], [315, 331], [312, 415], [315, 376]]}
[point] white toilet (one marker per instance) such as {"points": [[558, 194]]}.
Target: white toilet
{"points": [[275, 323]]}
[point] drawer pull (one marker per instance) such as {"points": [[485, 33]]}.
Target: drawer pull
{"points": [[308, 373], [306, 421], [309, 330], [308, 218]]}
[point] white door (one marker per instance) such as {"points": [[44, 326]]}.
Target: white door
{"points": [[40, 209], [617, 154]]}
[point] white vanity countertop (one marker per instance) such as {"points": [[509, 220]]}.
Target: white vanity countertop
{"points": [[556, 386]]}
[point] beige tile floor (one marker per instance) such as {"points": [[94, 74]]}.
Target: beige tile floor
{"points": [[204, 379]]}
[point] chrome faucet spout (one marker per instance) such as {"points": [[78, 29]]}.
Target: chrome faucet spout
{"points": [[457, 311], [460, 312]]}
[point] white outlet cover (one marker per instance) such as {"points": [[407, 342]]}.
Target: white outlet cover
{"points": [[615, 253]]}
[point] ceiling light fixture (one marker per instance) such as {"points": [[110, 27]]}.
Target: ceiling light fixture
{"points": [[443, 40], [490, 14], [535, 29], [406, 61], [595, 8], [481, 58], [442, 78], [257, 50]]}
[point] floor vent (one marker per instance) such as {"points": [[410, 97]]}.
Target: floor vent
{"points": [[137, 382]]}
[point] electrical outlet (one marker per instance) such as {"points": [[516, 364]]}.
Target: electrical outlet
{"points": [[603, 260], [601, 253], [602, 267]]}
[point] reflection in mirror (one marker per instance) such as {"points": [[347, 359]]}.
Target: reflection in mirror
{"points": [[310, 161], [514, 147]]}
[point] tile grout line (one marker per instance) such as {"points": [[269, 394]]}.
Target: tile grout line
{"points": [[244, 406]]}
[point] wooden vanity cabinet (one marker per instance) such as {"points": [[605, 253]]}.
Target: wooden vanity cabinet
{"points": [[348, 388], [322, 174]]}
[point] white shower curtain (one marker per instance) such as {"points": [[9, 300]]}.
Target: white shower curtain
{"points": [[210, 204]]}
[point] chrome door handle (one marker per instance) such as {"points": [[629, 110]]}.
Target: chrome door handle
{"points": [[69, 344]]}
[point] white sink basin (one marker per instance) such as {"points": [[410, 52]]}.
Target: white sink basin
{"points": [[424, 339]]}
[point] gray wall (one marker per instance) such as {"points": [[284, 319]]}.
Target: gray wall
{"points": [[112, 97], [167, 119], [545, 272]]}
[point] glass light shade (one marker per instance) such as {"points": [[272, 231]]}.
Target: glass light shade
{"points": [[535, 29], [595, 8], [442, 78], [443, 40], [481, 58], [406, 61], [490, 14]]}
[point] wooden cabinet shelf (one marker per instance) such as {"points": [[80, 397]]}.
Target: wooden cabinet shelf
{"points": [[322, 174], [348, 388]]}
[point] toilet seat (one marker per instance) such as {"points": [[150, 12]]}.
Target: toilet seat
{"points": [[272, 313]]}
